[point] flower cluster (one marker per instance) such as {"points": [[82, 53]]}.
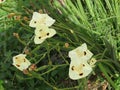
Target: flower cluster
{"points": [[42, 22], [79, 66], [81, 63]]}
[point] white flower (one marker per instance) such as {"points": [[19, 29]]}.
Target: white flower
{"points": [[79, 67], [80, 53], [39, 19], [20, 62], [1, 1], [42, 33]]}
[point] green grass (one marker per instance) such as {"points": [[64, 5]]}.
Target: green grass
{"points": [[95, 22]]}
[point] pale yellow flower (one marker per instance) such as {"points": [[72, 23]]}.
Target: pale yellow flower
{"points": [[78, 70], [20, 62], [92, 62], [41, 19], [80, 52], [42, 33], [79, 67], [1, 1]]}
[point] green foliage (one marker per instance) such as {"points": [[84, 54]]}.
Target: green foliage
{"points": [[95, 22], [1, 86], [117, 82]]}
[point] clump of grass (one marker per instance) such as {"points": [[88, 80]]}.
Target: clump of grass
{"points": [[95, 22]]}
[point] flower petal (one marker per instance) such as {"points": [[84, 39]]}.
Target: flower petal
{"points": [[38, 40], [79, 70], [80, 52], [41, 34], [41, 19]]}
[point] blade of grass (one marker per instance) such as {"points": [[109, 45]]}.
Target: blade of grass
{"points": [[102, 68]]}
